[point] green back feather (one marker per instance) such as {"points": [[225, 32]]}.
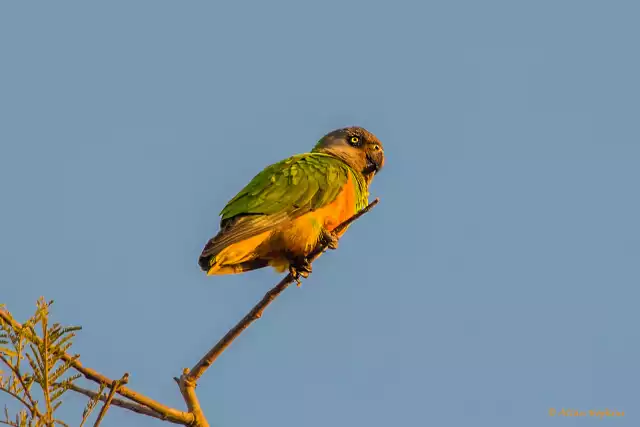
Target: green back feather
{"points": [[303, 182]]}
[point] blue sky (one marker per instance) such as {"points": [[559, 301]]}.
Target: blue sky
{"points": [[497, 278]]}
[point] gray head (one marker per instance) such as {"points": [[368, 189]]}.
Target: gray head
{"points": [[357, 147]]}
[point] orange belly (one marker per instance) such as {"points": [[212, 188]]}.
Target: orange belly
{"points": [[296, 238], [300, 236]]}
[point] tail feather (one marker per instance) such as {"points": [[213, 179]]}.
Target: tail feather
{"points": [[218, 270], [234, 258], [203, 262], [206, 257]]}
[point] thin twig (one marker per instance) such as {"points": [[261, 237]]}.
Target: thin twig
{"points": [[361, 212], [171, 414], [21, 400], [255, 313], [114, 388], [131, 406], [91, 405], [19, 349]]}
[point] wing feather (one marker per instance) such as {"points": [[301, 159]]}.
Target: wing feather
{"points": [[280, 193]]}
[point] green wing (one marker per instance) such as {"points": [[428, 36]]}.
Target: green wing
{"points": [[280, 193]]}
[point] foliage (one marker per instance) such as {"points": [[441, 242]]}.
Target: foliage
{"points": [[34, 373]]}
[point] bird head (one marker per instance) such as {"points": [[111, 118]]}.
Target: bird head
{"points": [[357, 147]]}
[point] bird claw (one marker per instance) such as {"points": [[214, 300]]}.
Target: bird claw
{"points": [[300, 268], [329, 239]]}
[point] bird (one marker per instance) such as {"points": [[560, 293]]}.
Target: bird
{"points": [[292, 206]]}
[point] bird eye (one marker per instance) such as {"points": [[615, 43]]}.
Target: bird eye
{"points": [[355, 139]]}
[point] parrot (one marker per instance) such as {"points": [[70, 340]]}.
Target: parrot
{"points": [[292, 206]]}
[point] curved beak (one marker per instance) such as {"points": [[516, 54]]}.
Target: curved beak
{"points": [[375, 162]]}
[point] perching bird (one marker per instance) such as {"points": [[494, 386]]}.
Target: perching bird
{"points": [[279, 218]]}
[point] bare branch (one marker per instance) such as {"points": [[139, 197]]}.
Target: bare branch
{"points": [[188, 391], [131, 406], [171, 414], [208, 359]]}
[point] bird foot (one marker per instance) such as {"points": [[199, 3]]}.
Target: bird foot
{"points": [[329, 239], [300, 268]]}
